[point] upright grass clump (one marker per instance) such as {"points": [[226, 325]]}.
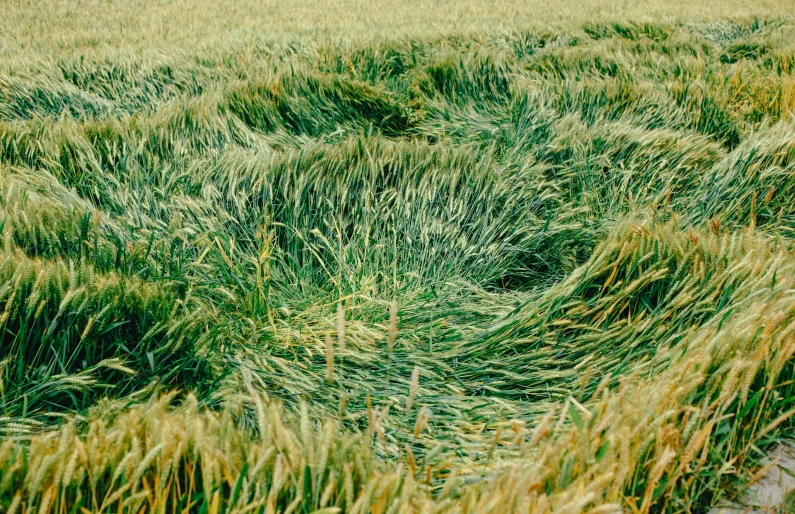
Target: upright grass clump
{"points": [[392, 335]]}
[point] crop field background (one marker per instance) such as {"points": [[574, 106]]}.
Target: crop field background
{"points": [[372, 257]]}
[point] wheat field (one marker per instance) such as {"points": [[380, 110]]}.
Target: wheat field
{"points": [[379, 257]]}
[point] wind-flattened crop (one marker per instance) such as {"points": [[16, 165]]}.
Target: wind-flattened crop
{"points": [[523, 272]]}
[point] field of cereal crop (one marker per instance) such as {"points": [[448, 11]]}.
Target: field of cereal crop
{"points": [[379, 257]]}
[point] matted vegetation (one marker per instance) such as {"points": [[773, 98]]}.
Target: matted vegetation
{"points": [[523, 271]]}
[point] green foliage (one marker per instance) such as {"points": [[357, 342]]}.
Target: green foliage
{"points": [[529, 271]]}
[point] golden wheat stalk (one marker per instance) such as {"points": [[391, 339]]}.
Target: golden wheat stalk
{"points": [[329, 359]]}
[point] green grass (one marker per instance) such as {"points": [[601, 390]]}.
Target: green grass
{"points": [[586, 232]]}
